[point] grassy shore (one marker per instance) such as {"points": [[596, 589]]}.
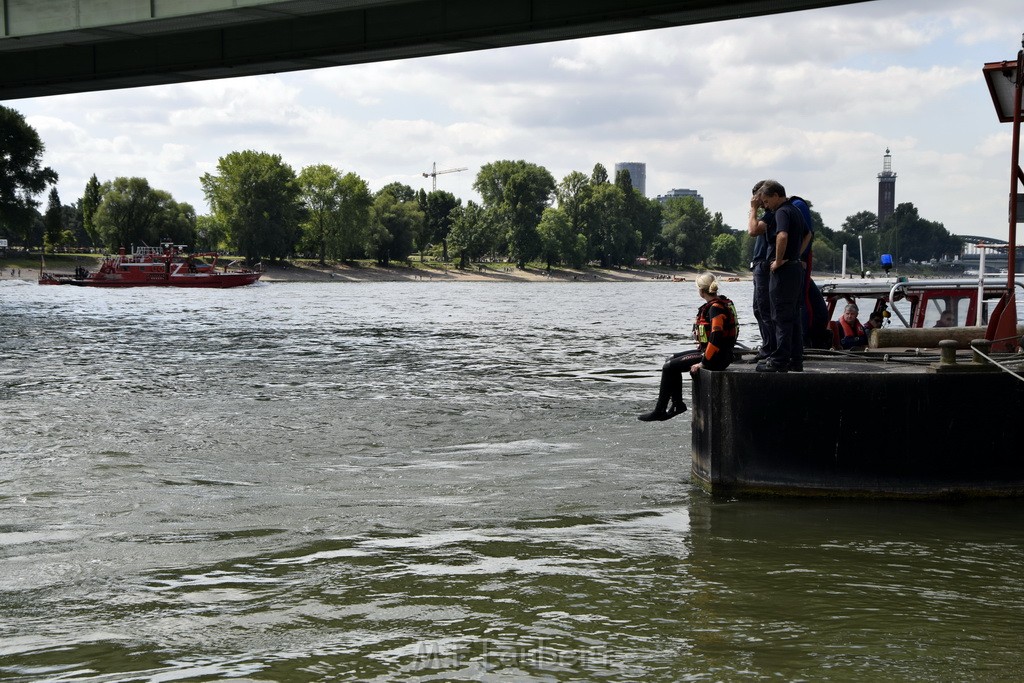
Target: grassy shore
{"points": [[302, 270]]}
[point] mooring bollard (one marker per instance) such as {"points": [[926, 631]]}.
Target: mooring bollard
{"points": [[947, 352], [978, 347]]}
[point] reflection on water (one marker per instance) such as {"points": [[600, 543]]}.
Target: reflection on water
{"points": [[419, 481]]}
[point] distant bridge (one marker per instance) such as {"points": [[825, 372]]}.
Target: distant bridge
{"points": [[973, 244], [51, 47], [996, 252]]}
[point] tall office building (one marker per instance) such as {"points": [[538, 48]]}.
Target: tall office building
{"points": [[637, 174], [886, 189]]}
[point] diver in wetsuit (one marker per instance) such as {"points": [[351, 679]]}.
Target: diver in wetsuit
{"points": [[715, 330]]}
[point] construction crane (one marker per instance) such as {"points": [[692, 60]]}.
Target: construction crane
{"points": [[434, 173]]}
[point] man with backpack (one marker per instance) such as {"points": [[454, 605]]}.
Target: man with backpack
{"points": [[786, 242]]}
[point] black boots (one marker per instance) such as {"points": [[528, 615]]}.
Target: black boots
{"points": [[662, 415]]}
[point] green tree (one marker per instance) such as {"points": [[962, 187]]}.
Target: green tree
{"points": [[516, 194], [393, 227], [558, 239], [860, 223], [825, 258], [718, 226], [211, 234], [912, 238], [53, 221], [22, 175], [400, 191], [318, 188], [177, 221], [645, 217], [73, 224], [624, 181], [610, 236], [336, 211], [33, 237], [860, 229], [572, 195], [472, 235], [133, 213], [90, 201], [437, 209], [256, 196], [353, 218], [637, 229], [725, 251], [686, 231]]}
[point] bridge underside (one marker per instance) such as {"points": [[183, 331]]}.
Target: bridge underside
{"points": [[51, 48]]}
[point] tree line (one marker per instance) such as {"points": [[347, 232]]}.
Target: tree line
{"points": [[261, 208]]}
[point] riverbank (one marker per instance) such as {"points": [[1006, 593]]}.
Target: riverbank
{"points": [[310, 271]]}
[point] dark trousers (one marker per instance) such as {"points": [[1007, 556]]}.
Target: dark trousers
{"points": [[784, 292], [814, 318], [672, 377], [763, 307]]}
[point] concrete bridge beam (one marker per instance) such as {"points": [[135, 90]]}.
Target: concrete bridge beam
{"points": [[51, 47]]}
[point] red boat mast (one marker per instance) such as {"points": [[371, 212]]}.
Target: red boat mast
{"points": [[1006, 85]]}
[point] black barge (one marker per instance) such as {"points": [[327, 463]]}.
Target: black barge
{"points": [[894, 425]]}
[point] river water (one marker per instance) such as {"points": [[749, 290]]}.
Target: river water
{"points": [[437, 482]]}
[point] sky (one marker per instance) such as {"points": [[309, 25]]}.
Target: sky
{"points": [[812, 99]]}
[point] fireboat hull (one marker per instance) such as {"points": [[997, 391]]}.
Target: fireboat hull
{"points": [[168, 265], [200, 280]]}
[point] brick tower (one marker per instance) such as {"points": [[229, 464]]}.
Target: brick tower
{"points": [[886, 190]]}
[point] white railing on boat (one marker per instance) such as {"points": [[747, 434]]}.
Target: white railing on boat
{"points": [[980, 284]]}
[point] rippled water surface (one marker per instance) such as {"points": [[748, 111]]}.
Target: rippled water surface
{"points": [[436, 482]]}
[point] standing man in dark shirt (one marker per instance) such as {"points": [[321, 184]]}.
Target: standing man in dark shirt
{"points": [[785, 286], [757, 227]]}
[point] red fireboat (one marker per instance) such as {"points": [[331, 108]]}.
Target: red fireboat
{"points": [[165, 266]]}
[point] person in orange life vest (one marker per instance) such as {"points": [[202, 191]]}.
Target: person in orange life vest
{"points": [[851, 333], [715, 330]]}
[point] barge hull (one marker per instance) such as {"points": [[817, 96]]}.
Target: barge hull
{"points": [[849, 429]]}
